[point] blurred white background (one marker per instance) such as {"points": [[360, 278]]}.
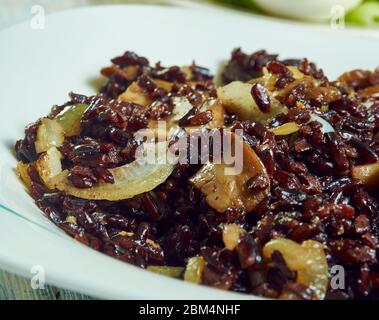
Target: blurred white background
{"points": [[14, 11]]}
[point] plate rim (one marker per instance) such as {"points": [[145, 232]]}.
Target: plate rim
{"points": [[13, 265]]}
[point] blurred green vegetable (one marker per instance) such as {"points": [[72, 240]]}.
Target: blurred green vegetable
{"points": [[367, 14], [248, 4], [174, 272]]}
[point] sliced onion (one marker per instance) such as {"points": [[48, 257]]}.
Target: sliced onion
{"points": [[129, 180], [49, 166], [326, 126], [194, 269], [181, 107], [70, 117], [22, 172], [174, 272], [307, 259], [285, 129], [231, 234], [49, 134], [368, 173], [71, 219]]}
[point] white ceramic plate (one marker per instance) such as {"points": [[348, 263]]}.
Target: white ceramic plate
{"points": [[39, 67]]}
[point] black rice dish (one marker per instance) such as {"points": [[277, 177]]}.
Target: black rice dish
{"points": [[305, 201]]}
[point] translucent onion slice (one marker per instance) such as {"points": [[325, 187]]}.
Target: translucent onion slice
{"points": [[194, 269], [71, 219], [49, 166], [22, 172], [129, 180], [70, 117], [231, 234], [307, 259], [174, 272], [326, 126], [181, 107], [49, 134], [296, 73], [285, 129], [368, 173], [236, 97]]}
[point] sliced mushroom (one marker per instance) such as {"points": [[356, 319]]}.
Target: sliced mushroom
{"points": [[236, 97], [307, 259], [230, 191], [49, 134], [218, 113]]}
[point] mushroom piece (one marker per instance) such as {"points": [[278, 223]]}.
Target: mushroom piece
{"points": [[236, 97], [223, 191], [218, 113]]}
